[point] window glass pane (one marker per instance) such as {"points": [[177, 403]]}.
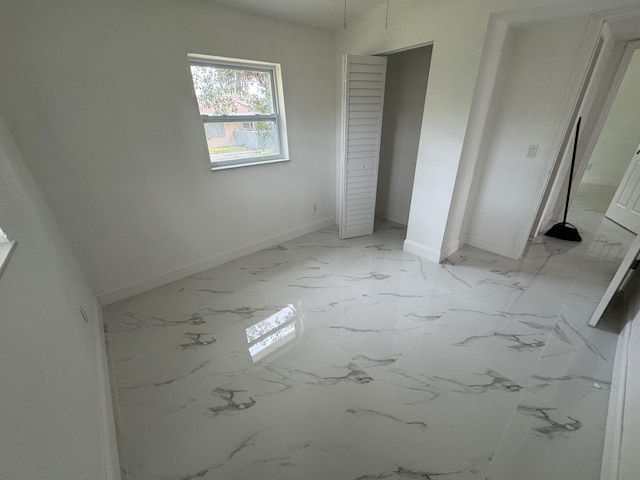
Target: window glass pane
{"points": [[230, 91], [241, 140]]}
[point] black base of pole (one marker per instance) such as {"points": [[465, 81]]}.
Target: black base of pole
{"points": [[564, 231]]}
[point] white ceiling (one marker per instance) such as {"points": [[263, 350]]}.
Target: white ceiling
{"points": [[324, 14]]}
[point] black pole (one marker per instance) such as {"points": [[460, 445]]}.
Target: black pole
{"points": [[573, 162]]}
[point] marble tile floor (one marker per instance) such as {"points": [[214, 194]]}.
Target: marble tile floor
{"points": [[354, 360]]}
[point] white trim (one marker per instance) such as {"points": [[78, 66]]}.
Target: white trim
{"points": [[248, 164], [108, 408], [491, 246], [134, 288], [421, 250], [343, 148], [6, 249], [615, 416], [230, 62], [588, 75], [451, 249]]}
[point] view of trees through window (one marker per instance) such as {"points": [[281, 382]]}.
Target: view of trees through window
{"points": [[237, 109], [219, 89]]}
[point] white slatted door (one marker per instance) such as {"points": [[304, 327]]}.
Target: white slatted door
{"points": [[363, 99]]}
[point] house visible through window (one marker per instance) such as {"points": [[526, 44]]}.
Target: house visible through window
{"points": [[214, 130], [240, 104]]}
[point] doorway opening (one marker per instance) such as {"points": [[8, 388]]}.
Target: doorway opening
{"points": [[607, 174], [617, 39], [404, 101]]}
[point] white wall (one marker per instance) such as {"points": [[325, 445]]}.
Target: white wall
{"points": [[457, 29], [100, 100], [406, 85], [54, 402], [620, 134], [538, 69]]}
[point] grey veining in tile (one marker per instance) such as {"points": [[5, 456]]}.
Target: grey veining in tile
{"points": [[323, 358]]}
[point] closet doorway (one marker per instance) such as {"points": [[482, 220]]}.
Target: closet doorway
{"points": [[404, 104]]}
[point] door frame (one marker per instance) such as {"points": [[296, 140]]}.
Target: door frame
{"points": [[389, 56], [596, 95], [340, 189]]}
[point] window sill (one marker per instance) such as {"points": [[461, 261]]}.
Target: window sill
{"points": [[6, 248], [247, 164]]}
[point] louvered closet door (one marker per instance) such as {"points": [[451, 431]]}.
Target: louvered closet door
{"points": [[363, 99]]}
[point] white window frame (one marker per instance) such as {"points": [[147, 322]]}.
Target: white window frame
{"points": [[278, 117], [6, 248]]}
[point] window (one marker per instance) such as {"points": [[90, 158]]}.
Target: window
{"points": [[6, 247], [240, 104]]}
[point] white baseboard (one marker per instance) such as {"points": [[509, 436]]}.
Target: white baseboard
{"points": [[544, 225], [491, 246], [421, 250], [451, 249], [134, 288]]}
